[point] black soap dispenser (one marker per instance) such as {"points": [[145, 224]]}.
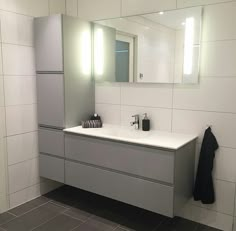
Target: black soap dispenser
{"points": [[146, 123]]}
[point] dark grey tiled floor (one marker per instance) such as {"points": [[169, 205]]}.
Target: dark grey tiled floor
{"points": [[70, 209]]}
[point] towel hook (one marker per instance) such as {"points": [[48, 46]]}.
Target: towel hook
{"points": [[208, 126]]}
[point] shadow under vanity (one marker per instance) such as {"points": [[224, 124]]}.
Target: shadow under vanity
{"points": [[153, 171]]}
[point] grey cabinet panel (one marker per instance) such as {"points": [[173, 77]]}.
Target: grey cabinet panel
{"points": [[184, 175], [144, 194], [79, 83], [146, 162], [50, 90], [48, 43], [52, 168], [51, 141]]}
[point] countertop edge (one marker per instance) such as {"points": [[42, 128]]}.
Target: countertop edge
{"points": [[131, 142]]}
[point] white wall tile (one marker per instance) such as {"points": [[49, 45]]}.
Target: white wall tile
{"points": [[132, 7], [21, 119], [2, 122], [23, 175], [224, 194], [212, 94], [28, 7], [4, 203], [57, 7], [208, 217], [235, 209], [107, 94], [103, 9], [218, 59], [1, 92], [32, 192], [18, 60], [16, 29], [219, 22], [24, 195], [160, 118], [225, 160], [223, 125], [110, 113], [71, 7], [22, 147], [20, 90], [3, 167], [188, 3], [1, 71], [159, 96]]}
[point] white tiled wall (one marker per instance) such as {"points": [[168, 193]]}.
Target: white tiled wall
{"points": [[190, 108], [26, 7], [72, 7], [132, 7], [18, 117], [93, 10]]}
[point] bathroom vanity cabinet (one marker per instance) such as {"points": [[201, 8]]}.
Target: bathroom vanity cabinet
{"points": [[158, 179]]}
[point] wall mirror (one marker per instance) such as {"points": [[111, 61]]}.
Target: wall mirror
{"points": [[161, 47]]}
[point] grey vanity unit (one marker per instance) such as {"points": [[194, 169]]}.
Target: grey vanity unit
{"points": [[65, 87], [156, 179]]}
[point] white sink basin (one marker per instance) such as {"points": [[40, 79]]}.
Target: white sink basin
{"points": [[159, 139], [125, 132]]}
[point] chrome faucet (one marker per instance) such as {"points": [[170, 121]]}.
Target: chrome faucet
{"points": [[135, 122]]}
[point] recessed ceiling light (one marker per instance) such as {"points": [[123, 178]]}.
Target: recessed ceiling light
{"points": [[161, 13], [183, 23]]}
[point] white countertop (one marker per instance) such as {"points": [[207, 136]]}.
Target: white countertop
{"points": [[153, 138]]}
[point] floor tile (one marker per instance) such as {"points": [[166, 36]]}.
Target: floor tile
{"points": [[34, 218], [29, 206], [65, 196], [59, 223], [68, 208], [177, 224], [144, 222], [78, 214], [120, 229], [5, 217], [206, 228], [121, 216], [97, 224]]}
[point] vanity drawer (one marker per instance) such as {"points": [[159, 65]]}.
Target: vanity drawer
{"points": [[51, 141], [136, 160], [52, 168], [152, 196]]}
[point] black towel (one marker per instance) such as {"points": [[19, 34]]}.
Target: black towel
{"points": [[204, 188]]}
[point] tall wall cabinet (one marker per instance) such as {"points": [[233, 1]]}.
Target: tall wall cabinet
{"points": [[65, 88]]}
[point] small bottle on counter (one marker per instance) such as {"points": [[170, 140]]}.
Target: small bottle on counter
{"points": [[95, 117], [146, 123]]}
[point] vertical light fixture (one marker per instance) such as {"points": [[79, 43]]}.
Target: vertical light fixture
{"points": [[86, 52], [99, 52], [188, 46]]}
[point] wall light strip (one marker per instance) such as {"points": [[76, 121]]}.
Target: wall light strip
{"points": [[86, 52], [188, 46], [99, 52]]}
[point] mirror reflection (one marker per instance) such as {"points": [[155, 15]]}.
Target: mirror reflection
{"points": [[161, 47]]}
